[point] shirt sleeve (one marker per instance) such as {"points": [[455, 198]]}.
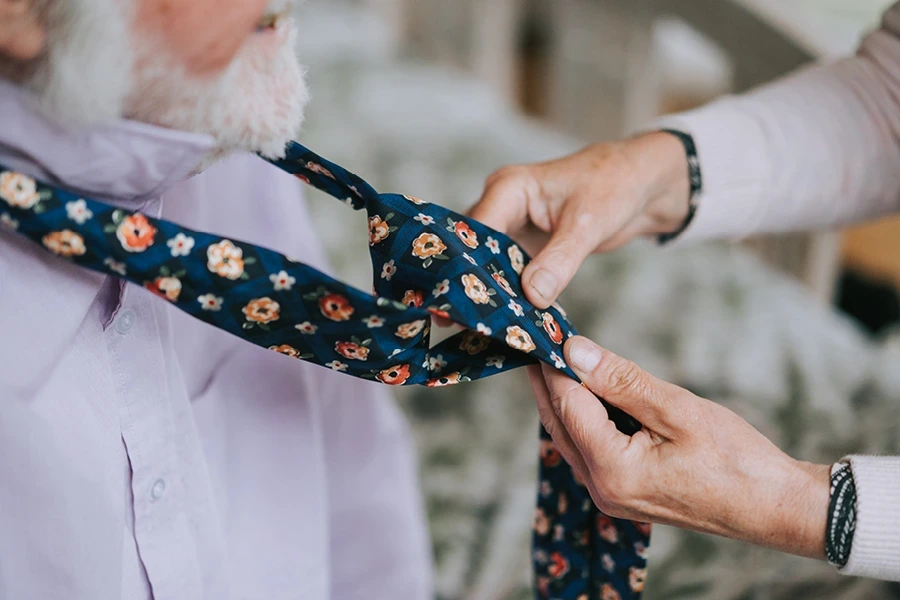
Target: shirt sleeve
{"points": [[819, 148], [875, 552], [379, 541]]}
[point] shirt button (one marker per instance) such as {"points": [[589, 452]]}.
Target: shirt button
{"points": [[125, 321], [158, 490]]}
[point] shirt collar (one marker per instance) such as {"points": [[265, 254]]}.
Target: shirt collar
{"points": [[125, 162]]}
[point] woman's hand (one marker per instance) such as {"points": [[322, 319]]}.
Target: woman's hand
{"points": [[694, 465], [593, 201]]}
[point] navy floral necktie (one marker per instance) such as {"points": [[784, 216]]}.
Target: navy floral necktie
{"points": [[428, 261]]}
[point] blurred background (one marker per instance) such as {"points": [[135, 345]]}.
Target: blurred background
{"points": [[795, 333]]}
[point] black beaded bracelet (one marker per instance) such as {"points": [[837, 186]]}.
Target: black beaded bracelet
{"points": [[841, 516], [696, 180]]}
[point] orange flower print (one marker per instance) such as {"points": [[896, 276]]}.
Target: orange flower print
{"points": [[394, 376], [558, 566], [352, 351], [504, 284], [18, 190], [607, 529], [416, 201], [135, 233], [440, 313], [225, 260], [516, 258], [476, 290], [336, 308], [262, 311], [465, 233], [428, 246], [518, 338], [286, 350], [407, 331], [644, 528], [552, 328], [474, 342], [165, 287], [550, 456], [636, 579], [379, 230], [317, 168], [413, 298], [444, 381], [65, 243], [541, 524], [608, 592]]}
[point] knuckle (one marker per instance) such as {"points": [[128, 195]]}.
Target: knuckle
{"points": [[623, 377]]}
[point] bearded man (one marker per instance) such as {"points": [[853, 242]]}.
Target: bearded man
{"points": [[142, 453]]}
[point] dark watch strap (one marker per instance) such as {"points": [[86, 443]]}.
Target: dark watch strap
{"points": [[696, 180], [841, 516]]}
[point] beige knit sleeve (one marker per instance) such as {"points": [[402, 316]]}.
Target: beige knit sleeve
{"points": [[876, 543], [816, 149]]}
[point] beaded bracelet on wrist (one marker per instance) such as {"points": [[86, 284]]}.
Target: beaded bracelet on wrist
{"points": [[696, 181]]}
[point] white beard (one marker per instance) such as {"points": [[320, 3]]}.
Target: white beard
{"points": [[88, 77], [86, 71], [256, 104]]}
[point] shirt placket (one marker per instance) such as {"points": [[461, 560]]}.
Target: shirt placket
{"points": [[161, 529]]}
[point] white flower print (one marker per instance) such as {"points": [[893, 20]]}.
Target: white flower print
{"points": [[181, 245], [396, 352], [337, 365], [282, 281], [78, 211], [493, 245], [469, 258], [516, 308], [115, 266], [442, 288], [7, 222], [484, 329], [495, 361], [306, 328], [210, 302], [388, 270], [374, 322], [436, 363], [557, 360], [424, 219], [608, 563]]}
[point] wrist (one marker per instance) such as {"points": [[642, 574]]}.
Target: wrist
{"points": [[801, 526], [660, 165]]}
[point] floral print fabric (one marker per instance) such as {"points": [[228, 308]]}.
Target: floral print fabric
{"points": [[428, 261]]}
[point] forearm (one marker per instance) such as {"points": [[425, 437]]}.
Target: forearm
{"points": [[816, 149]]}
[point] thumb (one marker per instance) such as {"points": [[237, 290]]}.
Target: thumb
{"points": [[577, 233], [623, 384], [504, 202]]}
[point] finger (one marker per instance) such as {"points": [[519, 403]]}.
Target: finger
{"points": [[504, 202], [659, 405], [580, 228], [554, 427]]}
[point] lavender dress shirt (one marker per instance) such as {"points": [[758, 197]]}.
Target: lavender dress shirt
{"points": [[146, 455]]}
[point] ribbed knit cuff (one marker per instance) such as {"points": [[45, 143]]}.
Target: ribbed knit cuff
{"points": [[876, 543]]}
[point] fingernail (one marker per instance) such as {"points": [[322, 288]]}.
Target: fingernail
{"points": [[544, 283], [583, 354]]}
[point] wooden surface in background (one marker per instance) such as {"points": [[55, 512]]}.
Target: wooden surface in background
{"points": [[874, 250]]}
